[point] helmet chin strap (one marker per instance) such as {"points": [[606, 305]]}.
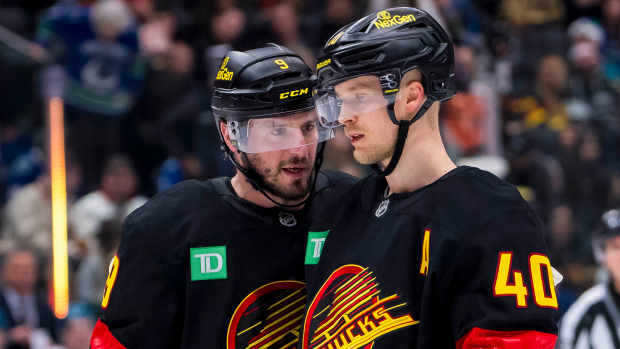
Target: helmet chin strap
{"points": [[258, 183], [403, 130]]}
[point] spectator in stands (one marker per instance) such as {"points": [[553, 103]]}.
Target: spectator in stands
{"points": [[168, 129], [588, 83], [567, 244], [115, 198], [463, 125], [569, 142], [571, 254], [320, 26], [23, 311], [538, 32], [21, 162], [541, 113], [98, 47], [536, 172], [284, 19], [592, 82], [27, 216], [592, 193], [592, 322], [227, 26], [90, 276]]}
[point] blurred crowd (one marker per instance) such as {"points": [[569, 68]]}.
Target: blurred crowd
{"points": [[537, 105]]}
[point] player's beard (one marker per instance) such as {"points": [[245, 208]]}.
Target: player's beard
{"points": [[295, 191]]}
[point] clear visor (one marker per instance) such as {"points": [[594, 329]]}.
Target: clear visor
{"points": [[278, 133], [355, 97]]}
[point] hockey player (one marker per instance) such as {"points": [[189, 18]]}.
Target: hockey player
{"points": [[422, 254], [219, 264], [593, 321]]}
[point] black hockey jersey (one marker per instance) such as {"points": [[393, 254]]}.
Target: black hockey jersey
{"points": [[459, 263], [199, 267]]}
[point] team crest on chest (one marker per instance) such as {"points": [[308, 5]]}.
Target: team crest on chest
{"points": [[269, 317], [287, 219], [383, 206], [382, 209], [351, 311]]}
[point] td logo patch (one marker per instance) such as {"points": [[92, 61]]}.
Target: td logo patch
{"points": [[314, 247], [208, 263]]}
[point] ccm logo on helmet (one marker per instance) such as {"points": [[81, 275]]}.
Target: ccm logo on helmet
{"points": [[294, 93], [386, 20]]}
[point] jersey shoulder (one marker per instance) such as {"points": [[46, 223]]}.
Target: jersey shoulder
{"points": [[333, 183], [480, 189], [332, 190], [484, 207], [162, 218]]}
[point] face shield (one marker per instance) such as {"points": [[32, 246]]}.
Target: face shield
{"points": [[260, 135], [354, 97]]}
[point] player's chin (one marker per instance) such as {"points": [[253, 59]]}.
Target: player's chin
{"points": [[294, 194], [364, 158], [293, 189]]}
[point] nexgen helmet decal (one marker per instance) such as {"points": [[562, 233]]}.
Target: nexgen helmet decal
{"points": [[281, 303], [351, 311]]}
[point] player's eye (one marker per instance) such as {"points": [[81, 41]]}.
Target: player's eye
{"points": [[361, 98], [278, 131], [308, 127]]}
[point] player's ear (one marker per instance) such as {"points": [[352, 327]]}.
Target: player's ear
{"points": [[411, 94], [224, 131]]}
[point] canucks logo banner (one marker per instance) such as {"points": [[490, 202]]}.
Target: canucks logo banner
{"points": [[269, 317], [351, 311]]}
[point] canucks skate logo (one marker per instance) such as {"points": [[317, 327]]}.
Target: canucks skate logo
{"points": [[223, 73], [269, 317], [386, 20], [350, 312]]}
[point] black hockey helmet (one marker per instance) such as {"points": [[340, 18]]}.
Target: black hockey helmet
{"points": [[388, 44], [263, 82], [393, 40], [609, 227]]}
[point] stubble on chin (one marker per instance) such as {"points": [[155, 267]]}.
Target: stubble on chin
{"points": [[373, 156], [295, 190]]}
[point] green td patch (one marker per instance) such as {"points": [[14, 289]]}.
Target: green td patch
{"points": [[208, 263], [314, 247]]}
